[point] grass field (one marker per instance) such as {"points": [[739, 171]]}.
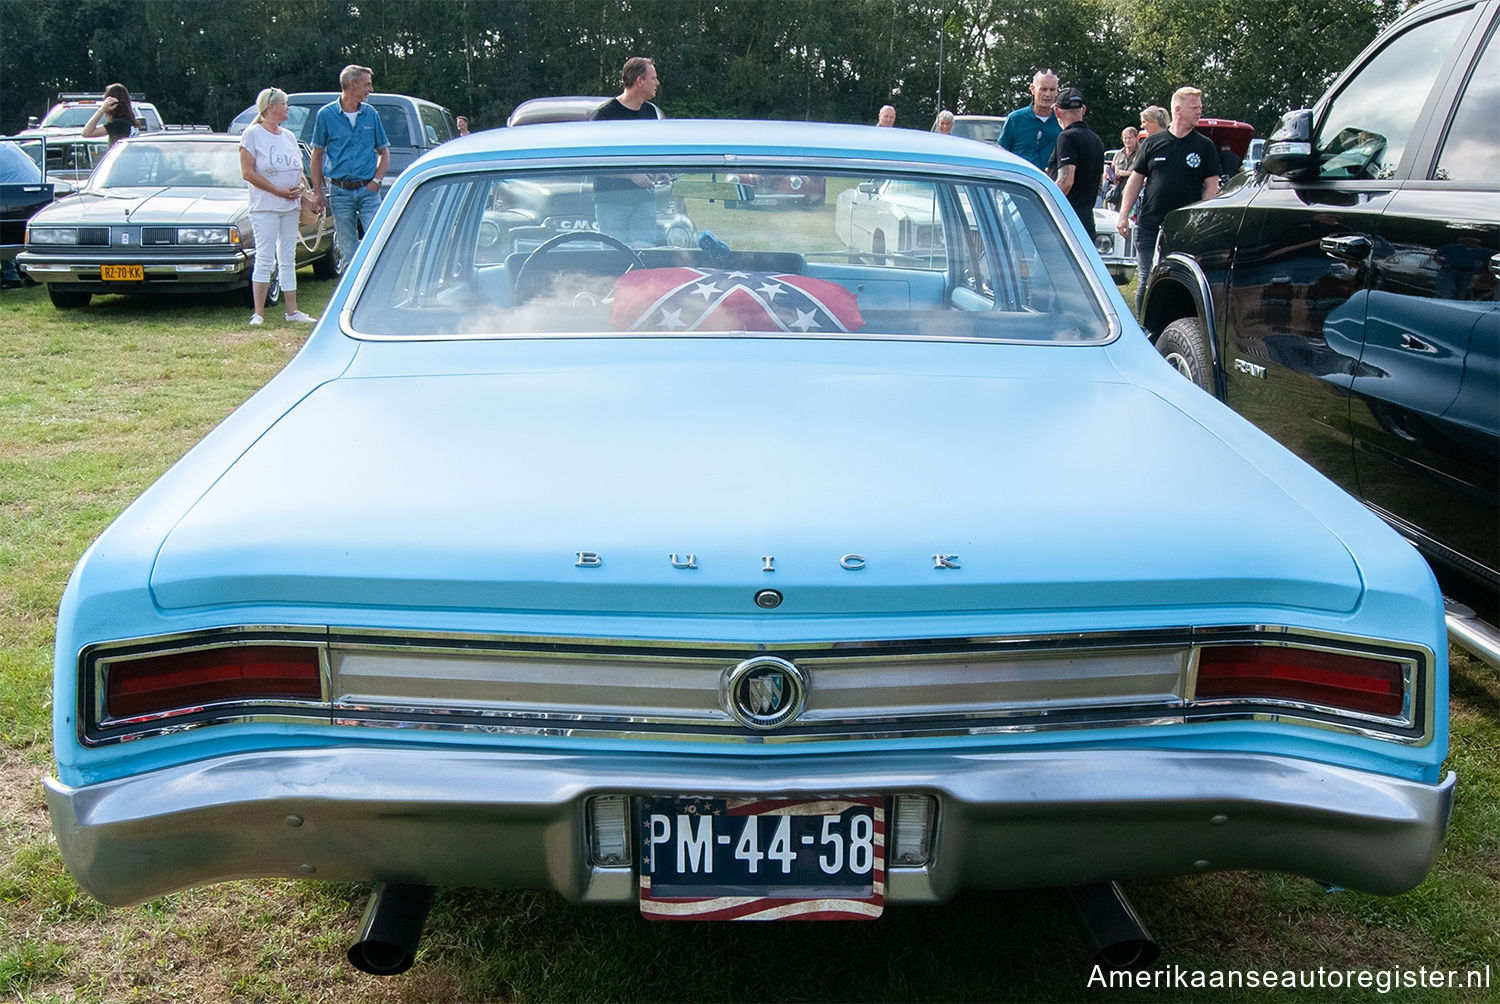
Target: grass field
{"points": [[95, 404]]}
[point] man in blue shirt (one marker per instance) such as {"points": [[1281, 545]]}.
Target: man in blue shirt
{"points": [[1030, 132], [350, 145]]}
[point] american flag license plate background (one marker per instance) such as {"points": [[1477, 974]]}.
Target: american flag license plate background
{"points": [[762, 859]]}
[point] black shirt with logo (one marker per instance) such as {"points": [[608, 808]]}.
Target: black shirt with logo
{"points": [[1176, 170], [1080, 147]]}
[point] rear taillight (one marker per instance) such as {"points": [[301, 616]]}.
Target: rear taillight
{"points": [[186, 681], [1304, 676]]}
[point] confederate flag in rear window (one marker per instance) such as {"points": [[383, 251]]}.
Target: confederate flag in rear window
{"points": [[693, 299]]}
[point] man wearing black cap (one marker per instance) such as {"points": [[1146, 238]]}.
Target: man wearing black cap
{"points": [[1078, 161]]}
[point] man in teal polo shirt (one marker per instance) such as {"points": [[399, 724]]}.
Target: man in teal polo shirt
{"points": [[1030, 132], [349, 145]]}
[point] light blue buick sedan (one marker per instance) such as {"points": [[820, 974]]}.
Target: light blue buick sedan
{"points": [[770, 577]]}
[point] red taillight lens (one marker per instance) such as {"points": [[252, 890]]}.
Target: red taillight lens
{"points": [[186, 680], [1351, 682]]}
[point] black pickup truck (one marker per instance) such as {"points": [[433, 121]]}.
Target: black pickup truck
{"points": [[1344, 296]]}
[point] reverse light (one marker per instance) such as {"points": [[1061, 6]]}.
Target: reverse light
{"points": [[911, 843], [1335, 680], [609, 829], [180, 682]]}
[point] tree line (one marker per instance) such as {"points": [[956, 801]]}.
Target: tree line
{"points": [[203, 61]]}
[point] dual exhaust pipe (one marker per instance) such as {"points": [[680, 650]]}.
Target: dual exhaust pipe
{"points": [[392, 928]]}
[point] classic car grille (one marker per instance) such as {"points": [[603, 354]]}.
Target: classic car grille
{"points": [[685, 691], [93, 236], [158, 235]]}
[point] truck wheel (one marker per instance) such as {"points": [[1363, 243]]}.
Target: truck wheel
{"points": [[1182, 344], [66, 299]]}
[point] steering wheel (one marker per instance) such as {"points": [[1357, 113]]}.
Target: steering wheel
{"points": [[573, 237]]}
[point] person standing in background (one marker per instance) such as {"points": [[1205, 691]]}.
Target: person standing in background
{"points": [[350, 143], [625, 204], [271, 164], [1031, 131], [887, 116], [1154, 119], [1177, 167], [1078, 161], [119, 117]]}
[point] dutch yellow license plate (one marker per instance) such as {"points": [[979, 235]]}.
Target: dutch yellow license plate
{"points": [[122, 273]]}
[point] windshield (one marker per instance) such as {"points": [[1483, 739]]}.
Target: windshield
{"points": [[76, 116], [135, 164], [677, 251]]}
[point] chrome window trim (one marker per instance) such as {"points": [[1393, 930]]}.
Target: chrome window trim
{"points": [[957, 173], [1414, 727]]}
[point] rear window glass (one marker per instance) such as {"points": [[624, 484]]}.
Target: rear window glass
{"points": [[675, 251]]}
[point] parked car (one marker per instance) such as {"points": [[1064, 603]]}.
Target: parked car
{"points": [[984, 128], [1344, 297], [162, 213], [413, 125], [894, 216], [802, 189], [23, 190], [757, 580], [73, 111], [562, 108], [70, 159], [1117, 251]]}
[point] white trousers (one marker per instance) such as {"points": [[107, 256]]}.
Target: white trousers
{"points": [[275, 244]]}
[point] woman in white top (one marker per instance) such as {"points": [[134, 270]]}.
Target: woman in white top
{"points": [[271, 162]]}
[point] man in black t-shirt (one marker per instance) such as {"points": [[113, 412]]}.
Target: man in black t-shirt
{"points": [[625, 205], [1177, 167], [1078, 161]]}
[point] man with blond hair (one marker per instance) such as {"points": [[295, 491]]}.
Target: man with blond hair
{"points": [[1177, 167]]}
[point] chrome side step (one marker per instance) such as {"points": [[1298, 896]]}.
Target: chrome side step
{"points": [[1466, 630]]}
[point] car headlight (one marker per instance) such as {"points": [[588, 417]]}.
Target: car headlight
{"points": [[1104, 242], [208, 235], [51, 235]]}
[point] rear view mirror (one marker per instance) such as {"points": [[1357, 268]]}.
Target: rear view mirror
{"points": [[1289, 151]]}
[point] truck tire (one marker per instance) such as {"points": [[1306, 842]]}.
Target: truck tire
{"points": [[1182, 344]]}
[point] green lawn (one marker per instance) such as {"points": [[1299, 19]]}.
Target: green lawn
{"points": [[95, 404]]}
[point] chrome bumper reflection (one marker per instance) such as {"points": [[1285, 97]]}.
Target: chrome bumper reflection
{"points": [[516, 819]]}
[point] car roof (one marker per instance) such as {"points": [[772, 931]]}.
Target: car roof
{"points": [[563, 108], [709, 138]]}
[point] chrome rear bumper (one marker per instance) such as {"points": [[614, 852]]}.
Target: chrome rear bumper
{"points": [[517, 820]]}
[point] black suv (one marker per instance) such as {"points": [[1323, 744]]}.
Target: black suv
{"points": [[1343, 297]]}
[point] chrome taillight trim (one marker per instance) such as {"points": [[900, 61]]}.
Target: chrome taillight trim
{"points": [[1413, 727]]}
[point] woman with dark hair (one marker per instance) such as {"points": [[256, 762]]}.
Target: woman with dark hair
{"points": [[119, 117]]}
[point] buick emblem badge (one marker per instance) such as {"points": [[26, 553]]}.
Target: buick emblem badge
{"points": [[764, 693]]}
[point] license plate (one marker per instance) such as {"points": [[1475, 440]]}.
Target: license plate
{"points": [[762, 859], [122, 273]]}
